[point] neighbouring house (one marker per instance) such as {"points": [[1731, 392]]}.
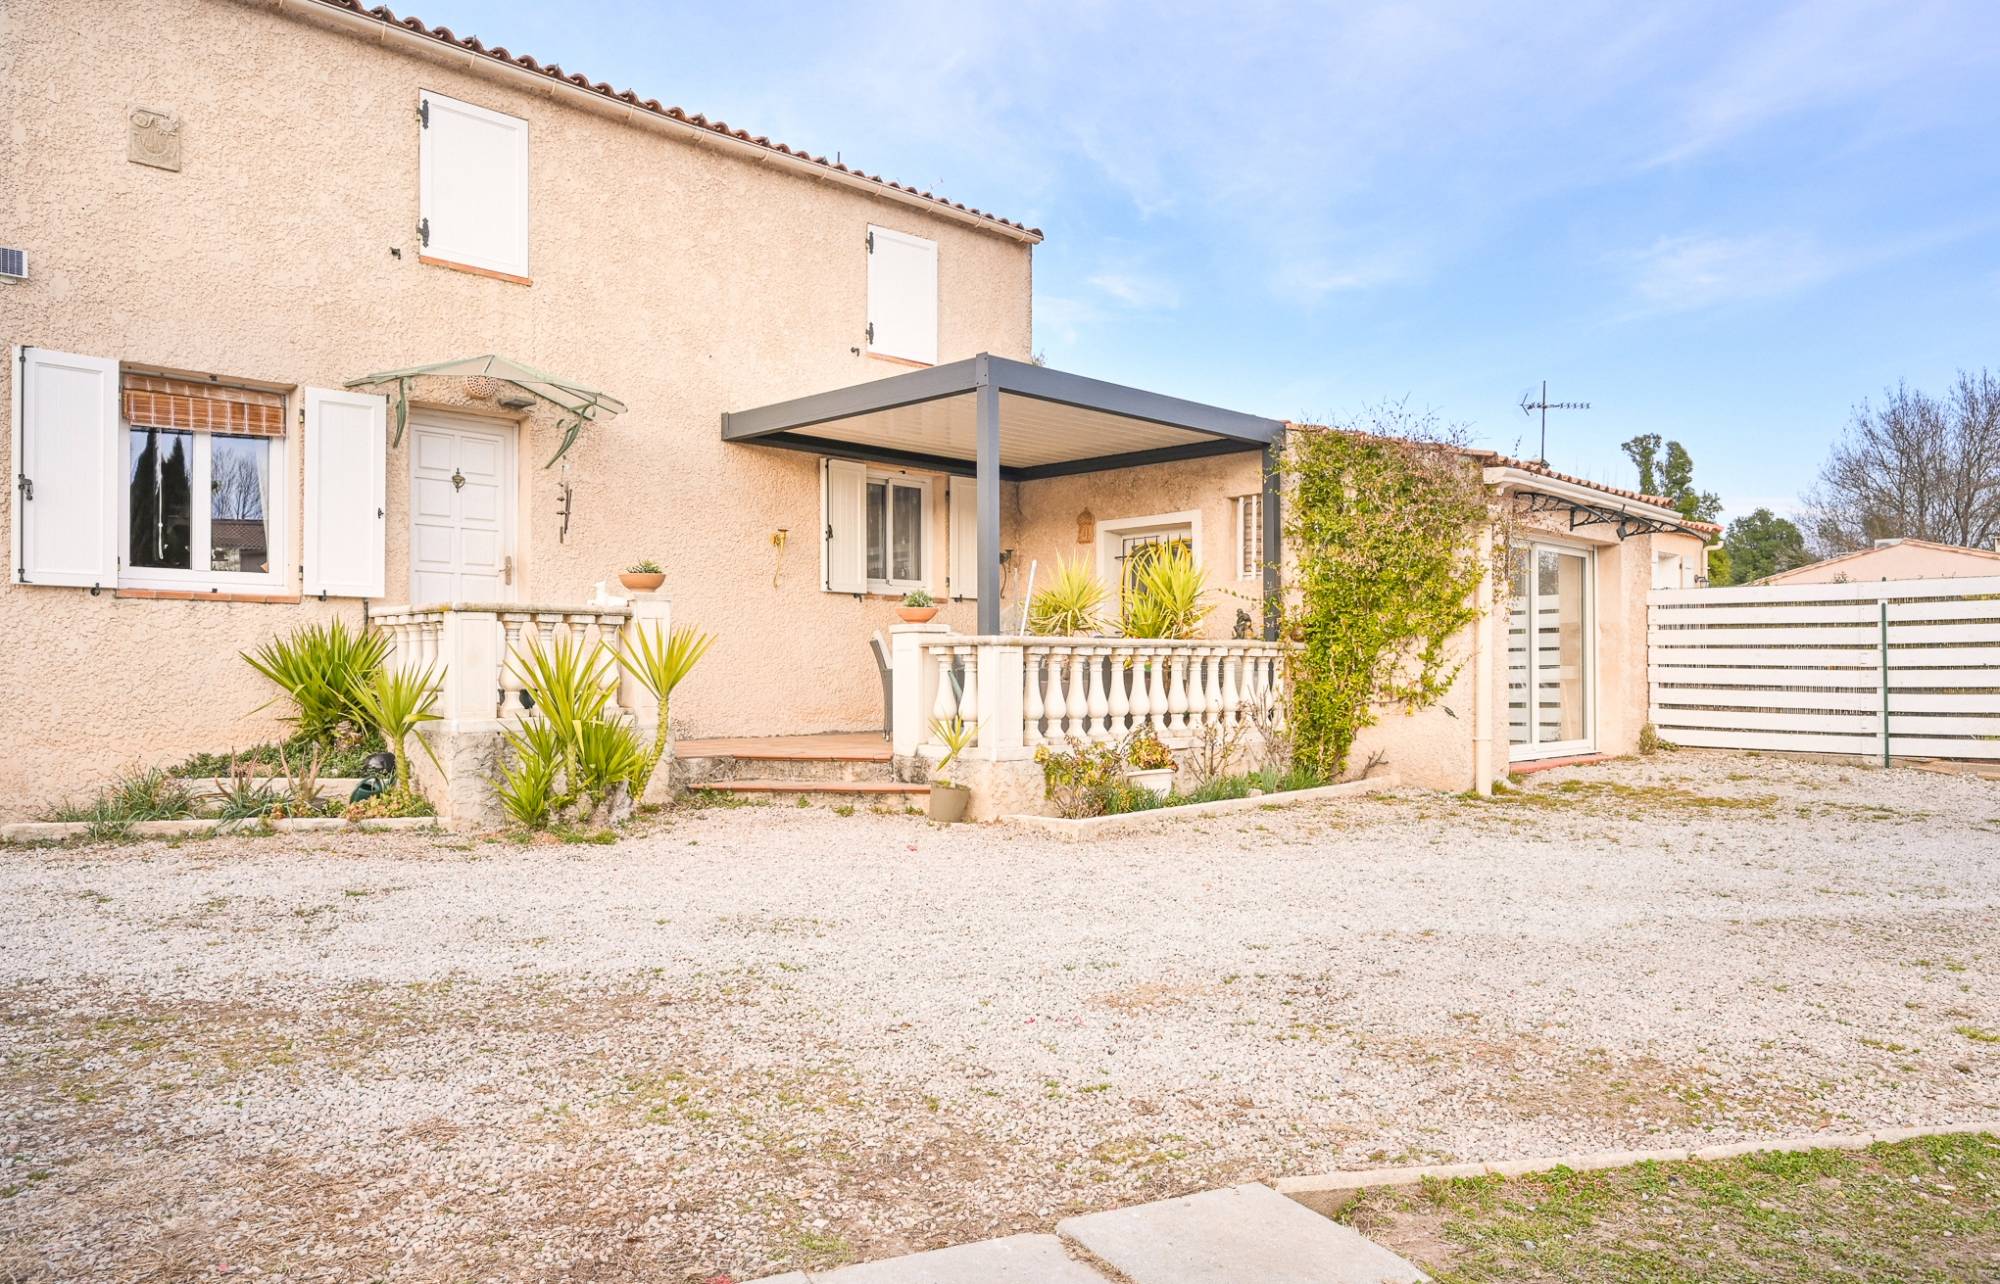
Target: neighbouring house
{"points": [[447, 337], [1894, 559]]}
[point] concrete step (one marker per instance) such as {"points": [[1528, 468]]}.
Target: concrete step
{"points": [[852, 793], [1246, 1232], [1018, 1259], [699, 772]]}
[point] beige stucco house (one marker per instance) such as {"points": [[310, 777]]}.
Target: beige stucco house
{"points": [[1894, 559], [253, 235]]}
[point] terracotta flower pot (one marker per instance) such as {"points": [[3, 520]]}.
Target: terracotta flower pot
{"points": [[916, 614], [948, 803], [642, 581]]}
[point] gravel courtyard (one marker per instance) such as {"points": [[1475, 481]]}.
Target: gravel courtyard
{"points": [[757, 1038]]}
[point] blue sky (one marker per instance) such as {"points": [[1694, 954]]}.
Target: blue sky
{"points": [[1722, 222]]}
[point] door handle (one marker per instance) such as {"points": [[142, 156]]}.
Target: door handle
{"points": [[507, 570]]}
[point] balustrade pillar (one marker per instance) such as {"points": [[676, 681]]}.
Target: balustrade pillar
{"points": [[1031, 696]]}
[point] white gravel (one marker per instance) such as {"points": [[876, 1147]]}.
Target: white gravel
{"points": [[760, 1038]]}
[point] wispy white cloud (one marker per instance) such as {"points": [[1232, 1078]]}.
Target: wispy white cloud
{"points": [[1686, 273], [1143, 291]]}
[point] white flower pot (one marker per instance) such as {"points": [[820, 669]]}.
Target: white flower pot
{"points": [[1157, 781]]}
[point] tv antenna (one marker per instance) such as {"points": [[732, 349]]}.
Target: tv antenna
{"points": [[1544, 405]]}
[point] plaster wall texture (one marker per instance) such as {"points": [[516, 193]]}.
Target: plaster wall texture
{"points": [[681, 278], [1908, 561]]}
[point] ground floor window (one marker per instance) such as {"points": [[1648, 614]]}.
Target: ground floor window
{"points": [[200, 499], [898, 511], [1551, 650]]}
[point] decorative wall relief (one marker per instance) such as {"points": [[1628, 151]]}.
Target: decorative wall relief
{"points": [[153, 138]]}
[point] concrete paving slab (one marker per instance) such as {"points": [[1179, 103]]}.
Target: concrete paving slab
{"points": [[1018, 1259], [1229, 1236]]}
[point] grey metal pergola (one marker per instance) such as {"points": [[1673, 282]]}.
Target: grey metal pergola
{"points": [[949, 419]]}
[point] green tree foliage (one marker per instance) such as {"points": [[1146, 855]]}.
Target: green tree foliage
{"points": [[1379, 525], [1759, 545]]}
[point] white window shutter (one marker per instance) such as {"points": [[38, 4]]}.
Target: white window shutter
{"points": [[67, 469], [844, 525], [964, 506], [902, 296], [347, 478], [473, 179]]}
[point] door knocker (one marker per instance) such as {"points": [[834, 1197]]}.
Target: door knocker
{"points": [[457, 480]]}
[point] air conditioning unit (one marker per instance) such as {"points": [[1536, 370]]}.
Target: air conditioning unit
{"points": [[13, 264]]}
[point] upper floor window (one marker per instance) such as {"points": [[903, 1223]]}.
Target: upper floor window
{"points": [[902, 296], [1249, 537], [474, 186]]}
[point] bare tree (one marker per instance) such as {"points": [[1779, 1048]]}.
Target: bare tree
{"points": [[1915, 467], [237, 488]]}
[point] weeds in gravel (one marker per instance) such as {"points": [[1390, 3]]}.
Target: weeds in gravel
{"points": [[140, 794]]}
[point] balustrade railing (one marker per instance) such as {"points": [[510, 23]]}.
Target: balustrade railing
{"points": [[1023, 692], [471, 643]]}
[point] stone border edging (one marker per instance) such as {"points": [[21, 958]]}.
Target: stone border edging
{"points": [[59, 831], [1327, 1193], [1092, 826]]}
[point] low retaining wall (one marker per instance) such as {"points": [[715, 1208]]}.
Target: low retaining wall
{"points": [[52, 831], [1127, 822]]}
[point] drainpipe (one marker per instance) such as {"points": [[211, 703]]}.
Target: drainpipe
{"points": [[1482, 672]]}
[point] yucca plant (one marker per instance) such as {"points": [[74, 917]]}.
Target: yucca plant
{"points": [[659, 664], [323, 668], [397, 703], [1072, 603], [608, 754], [1164, 599], [529, 787], [592, 749]]}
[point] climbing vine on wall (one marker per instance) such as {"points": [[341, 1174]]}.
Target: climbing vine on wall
{"points": [[1383, 561]]}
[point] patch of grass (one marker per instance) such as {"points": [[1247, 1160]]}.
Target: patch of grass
{"points": [[335, 760], [1977, 1034], [140, 794], [1920, 1210], [1624, 796]]}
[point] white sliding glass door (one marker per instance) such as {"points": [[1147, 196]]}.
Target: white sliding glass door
{"points": [[1551, 652]]}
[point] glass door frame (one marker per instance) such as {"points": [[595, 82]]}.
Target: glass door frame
{"points": [[1534, 749]]}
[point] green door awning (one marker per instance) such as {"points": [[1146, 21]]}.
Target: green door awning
{"points": [[577, 403]]}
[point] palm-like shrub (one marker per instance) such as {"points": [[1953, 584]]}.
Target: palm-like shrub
{"points": [[1165, 600], [571, 755], [1072, 603], [659, 664], [323, 669], [397, 703]]}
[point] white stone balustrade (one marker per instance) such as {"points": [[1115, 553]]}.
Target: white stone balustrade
{"points": [[469, 643], [1023, 692]]}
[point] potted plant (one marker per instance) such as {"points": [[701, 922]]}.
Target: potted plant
{"points": [[918, 607], [1149, 765], [642, 576], [949, 801]]}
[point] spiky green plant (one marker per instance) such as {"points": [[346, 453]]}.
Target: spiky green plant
{"points": [[1072, 603], [957, 735], [529, 787], [608, 754], [396, 704], [593, 750], [1165, 597], [322, 668], [659, 665]]}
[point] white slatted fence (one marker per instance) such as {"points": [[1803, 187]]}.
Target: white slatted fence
{"points": [[1909, 668]]}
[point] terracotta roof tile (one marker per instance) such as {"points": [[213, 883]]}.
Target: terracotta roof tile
{"points": [[527, 62]]}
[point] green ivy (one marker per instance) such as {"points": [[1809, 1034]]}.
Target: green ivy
{"points": [[1383, 566]]}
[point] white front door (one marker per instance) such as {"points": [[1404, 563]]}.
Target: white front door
{"points": [[461, 510]]}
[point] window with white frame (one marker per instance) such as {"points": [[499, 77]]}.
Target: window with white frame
{"points": [[899, 509], [1249, 537], [201, 493]]}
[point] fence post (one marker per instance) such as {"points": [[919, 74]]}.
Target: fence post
{"points": [[1882, 646]]}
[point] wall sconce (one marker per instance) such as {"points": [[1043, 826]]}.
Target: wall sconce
{"points": [[779, 538], [1086, 527]]}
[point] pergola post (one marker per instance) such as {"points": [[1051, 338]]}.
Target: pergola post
{"points": [[1274, 536], [986, 489]]}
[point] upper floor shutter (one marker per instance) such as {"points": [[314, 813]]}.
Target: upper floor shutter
{"points": [[67, 469], [474, 185], [346, 476], [964, 506], [844, 524], [902, 296]]}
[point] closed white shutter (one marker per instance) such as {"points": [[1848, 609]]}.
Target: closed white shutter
{"points": [[473, 175], [346, 474], [964, 537], [902, 296], [844, 524], [66, 468]]}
